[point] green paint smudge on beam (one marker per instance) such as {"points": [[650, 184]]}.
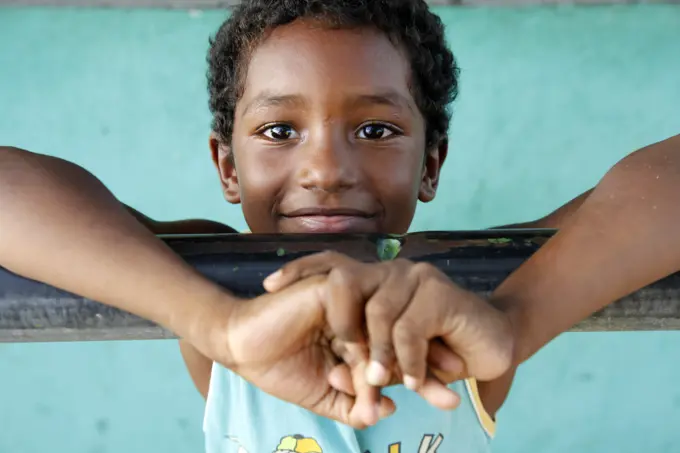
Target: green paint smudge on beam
{"points": [[388, 249]]}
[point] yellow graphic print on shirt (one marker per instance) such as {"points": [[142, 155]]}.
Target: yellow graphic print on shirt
{"points": [[301, 444], [428, 444], [298, 444]]}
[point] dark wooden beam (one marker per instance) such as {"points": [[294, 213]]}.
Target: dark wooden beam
{"points": [[477, 260]]}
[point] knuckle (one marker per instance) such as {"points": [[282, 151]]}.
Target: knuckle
{"points": [[291, 269], [405, 331], [342, 275], [410, 362], [396, 266], [383, 351], [422, 269], [402, 263], [328, 254], [333, 257], [338, 346], [381, 309], [429, 276], [347, 331]]}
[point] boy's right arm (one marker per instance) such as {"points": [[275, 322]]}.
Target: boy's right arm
{"points": [[60, 225], [198, 365]]}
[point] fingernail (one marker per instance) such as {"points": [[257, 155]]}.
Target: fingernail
{"points": [[271, 278], [451, 401], [410, 382], [376, 373]]}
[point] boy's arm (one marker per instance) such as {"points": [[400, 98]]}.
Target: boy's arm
{"points": [[555, 219], [60, 225], [198, 365], [612, 241], [191, 226]]}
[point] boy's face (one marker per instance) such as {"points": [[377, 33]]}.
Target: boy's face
{"points": [[327, 137]]}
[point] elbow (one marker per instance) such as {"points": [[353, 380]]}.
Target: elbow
{"points": [[12, 163], [13, 158], [642, 194], [8, 153], [19, 165], [653, 170]]}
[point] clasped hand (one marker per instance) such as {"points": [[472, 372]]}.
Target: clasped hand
{"points": [[331, 332]]}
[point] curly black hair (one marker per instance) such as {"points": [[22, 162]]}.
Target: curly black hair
{"points": [[408, 23]]}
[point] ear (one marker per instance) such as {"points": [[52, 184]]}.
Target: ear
{"points": [[223, 159], [434, 159]]}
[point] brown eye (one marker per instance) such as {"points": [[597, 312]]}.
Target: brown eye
{"points": [[375, 131], [280, 132]]}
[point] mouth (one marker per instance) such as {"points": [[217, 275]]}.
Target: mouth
{"points": [[327, 220]]}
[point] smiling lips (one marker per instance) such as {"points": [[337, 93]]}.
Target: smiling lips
{"points": [[325, 220]]}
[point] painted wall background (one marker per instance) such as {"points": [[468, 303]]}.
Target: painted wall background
{"points": [[551, 98]]}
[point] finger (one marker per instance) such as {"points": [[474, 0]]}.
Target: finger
{"points": [[341, 407], [387, 407], [284, 319], [382, 311], [345, 407], [351, 359], [480, 334], [344, 301], [420, 323], [411, 347], [318, 263], [370, 406], [438, 394], [350, 353], [445, 363], [366, 406], [340, 378]]}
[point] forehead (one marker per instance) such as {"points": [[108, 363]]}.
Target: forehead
{"points": [[307, 57]]}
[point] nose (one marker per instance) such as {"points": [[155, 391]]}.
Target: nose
{"points": [[328, 162]]}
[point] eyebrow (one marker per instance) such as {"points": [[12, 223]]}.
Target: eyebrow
{"points": [[388, 97], [268, 99]]}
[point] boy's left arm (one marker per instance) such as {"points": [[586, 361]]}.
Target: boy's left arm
{"points": [[613, 240]]}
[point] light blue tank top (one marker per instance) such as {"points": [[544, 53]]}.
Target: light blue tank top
{"points": [[240, 418]]}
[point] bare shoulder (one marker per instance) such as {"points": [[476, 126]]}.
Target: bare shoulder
{"points": [[189, 226]]}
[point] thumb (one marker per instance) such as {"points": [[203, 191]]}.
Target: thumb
{"points": [[486, 345], [342, 407], [272, 324]]}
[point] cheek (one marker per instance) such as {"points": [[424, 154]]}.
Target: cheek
{"points": [[401, 177], [261, 175], [398, 183], [261, 181]]}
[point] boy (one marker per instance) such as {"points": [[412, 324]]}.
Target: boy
{"points": [[331, 117]]}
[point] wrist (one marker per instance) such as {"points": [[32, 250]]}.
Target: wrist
{"points": [[520, 351], [517, 318], [203, 310]]}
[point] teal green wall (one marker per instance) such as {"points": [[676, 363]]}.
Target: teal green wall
{"points": [[551, 98]]}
